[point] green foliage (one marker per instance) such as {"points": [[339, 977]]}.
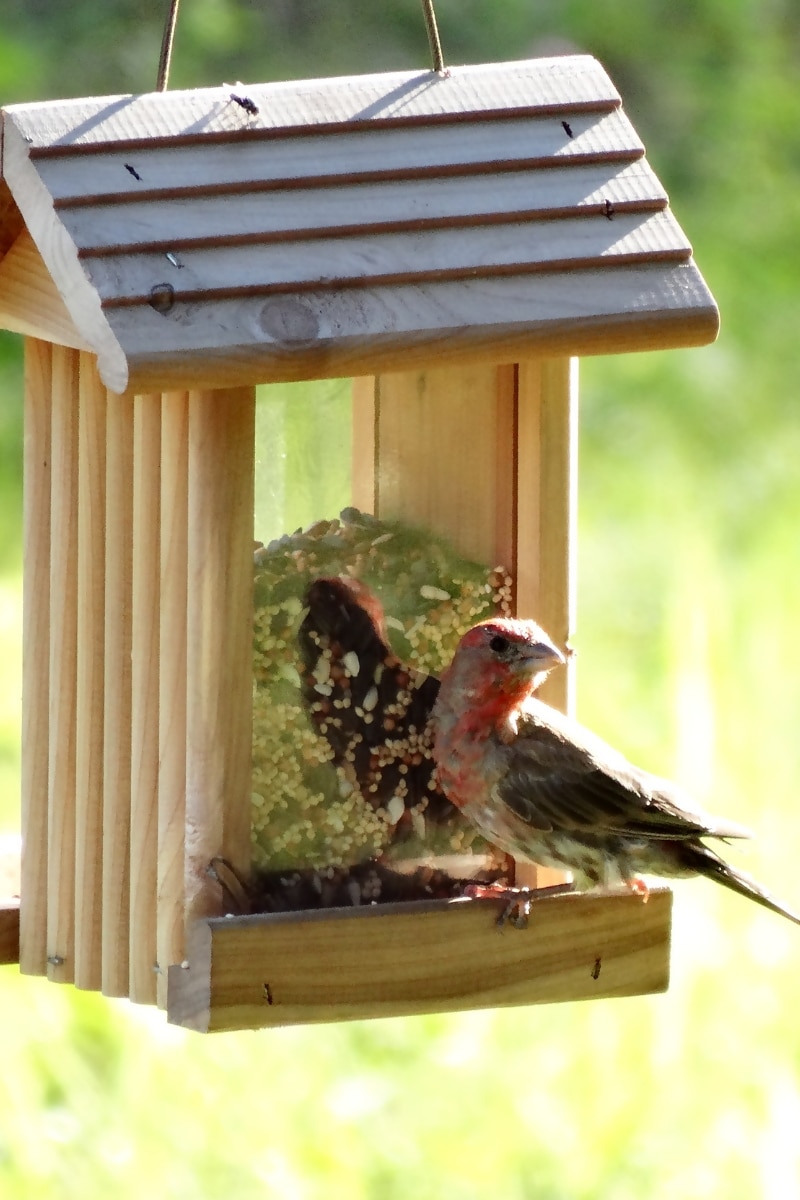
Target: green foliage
{"points": [[689, 660]]}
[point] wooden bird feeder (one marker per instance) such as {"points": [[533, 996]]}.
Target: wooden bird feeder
{"points": [[450, 243]]}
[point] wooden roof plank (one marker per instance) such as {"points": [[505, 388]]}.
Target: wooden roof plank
{"points": [[338, 261], [347, 333], [177, 224], [571, 83], [267, 162]]}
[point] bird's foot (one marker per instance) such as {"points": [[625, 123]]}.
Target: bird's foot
{"points": [[639, 888], [518, 900]]}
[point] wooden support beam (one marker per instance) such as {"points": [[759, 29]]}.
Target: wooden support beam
{"points": [[219, 637], [397, 960], [63, 666], [172, 685], [90, 700], [35, 655], [117, 690], [145, 689]]}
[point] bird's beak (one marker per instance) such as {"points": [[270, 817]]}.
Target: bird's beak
{"points": [[541, 656], [547, 652]]}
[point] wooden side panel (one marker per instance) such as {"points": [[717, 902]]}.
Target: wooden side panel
{"points": [[547, 482], [172, 685], [364, 410], [63, 666], [145, 692], [117, 687], [35, 657], [547, 400], [29, 300], [397, 960], [219, 632], [90, 701], [445, 455]]}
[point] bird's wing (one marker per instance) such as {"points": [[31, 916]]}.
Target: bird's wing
{"points": [[561, 776]]}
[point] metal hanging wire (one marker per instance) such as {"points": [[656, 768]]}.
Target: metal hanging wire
{"points": [[434, 41], [166, 46], [433, 36]]}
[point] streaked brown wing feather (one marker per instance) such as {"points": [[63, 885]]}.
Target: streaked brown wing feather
{"points": [[561, 777]]}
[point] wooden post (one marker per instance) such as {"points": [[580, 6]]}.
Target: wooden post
{"points": [[35, 656], [219, 632], [172, 685], [445, 456], [89, 698], [547, 402], [117, 688], [547, 481], [63, 663], [144, 688]]}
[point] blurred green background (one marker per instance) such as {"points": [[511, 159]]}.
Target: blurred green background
{"points": [[689, 661]]}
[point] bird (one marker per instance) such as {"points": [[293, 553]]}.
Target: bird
{"points": [[544, 788]]}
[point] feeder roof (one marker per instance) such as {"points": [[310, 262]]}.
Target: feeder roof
{"points": [[342, 226]]}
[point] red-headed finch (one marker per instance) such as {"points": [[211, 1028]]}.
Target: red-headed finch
{"points": [[542, 787]]}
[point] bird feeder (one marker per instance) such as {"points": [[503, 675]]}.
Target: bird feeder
{"points": [[450, 243]]}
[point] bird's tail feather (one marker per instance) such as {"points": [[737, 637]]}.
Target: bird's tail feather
{"points": [[703, 860]]}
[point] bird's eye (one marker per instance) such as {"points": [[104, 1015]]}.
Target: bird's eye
{"points": [[498, 644]]}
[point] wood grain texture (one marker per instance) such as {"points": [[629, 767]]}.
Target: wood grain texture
{"points": [[90, 698], [35, 655], [445, 455], [575, 83], [29, 300], [403, 959], [489, 251], [364, 434], [184, 169], [219, 638], [172, 685], [10, 932], [547, 483], [118, 696], [145, 695], [348, 333], [63, 665], [546, 523], [60, 256], [352, 209]]}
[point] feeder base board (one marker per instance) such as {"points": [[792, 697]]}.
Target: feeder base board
{"points": [[403, 959], [9, 931]]}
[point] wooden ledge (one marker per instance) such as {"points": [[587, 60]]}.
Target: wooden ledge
{"points": [[402, 959], [9, 930]]}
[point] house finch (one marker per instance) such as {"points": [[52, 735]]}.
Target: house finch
{"points": [[542, 787]]}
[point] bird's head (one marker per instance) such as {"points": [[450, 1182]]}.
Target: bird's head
{"points": [[504, 657]]}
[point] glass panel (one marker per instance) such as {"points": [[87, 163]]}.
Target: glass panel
{"points": [[355, 616]]}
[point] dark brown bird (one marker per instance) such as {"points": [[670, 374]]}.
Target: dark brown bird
{"points": [[542, 787]]}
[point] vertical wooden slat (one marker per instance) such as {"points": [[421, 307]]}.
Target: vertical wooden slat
{"points": [[117, 688], [219, 629], [546, 523], [547, 506], [63, 664], [35, 656], [89, 698], [144, 689], [364, 416], [172, 685], [445, 452]]}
